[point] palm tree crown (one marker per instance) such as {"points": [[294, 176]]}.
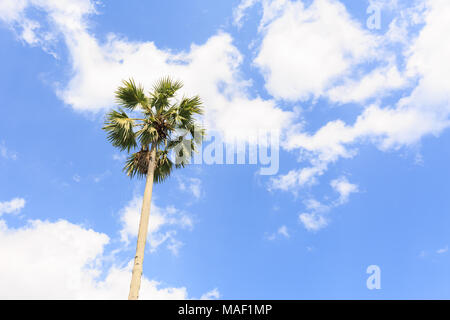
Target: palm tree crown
{"points": [[161, 121]]}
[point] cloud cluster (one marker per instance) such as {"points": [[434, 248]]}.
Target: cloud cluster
{"points": [[418, 62], [6, 153], [163, 225], [306, 49], [191, 185], [12, 206], [317, 215], [344, 188], [62, 260], [281, 232]]}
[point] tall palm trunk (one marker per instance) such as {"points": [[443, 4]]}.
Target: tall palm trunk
{"points": [[143, 229]]}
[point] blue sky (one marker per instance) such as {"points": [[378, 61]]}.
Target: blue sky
{"points": [[362, 110]]}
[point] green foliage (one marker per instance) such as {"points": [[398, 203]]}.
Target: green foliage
{"points": [[167, 125], [130, 96], [163, 168], [119, 128]]}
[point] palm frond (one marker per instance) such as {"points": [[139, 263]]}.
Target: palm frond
{"points": [[119, 128], [191, 106], [147, 134], [130, 95], [167, 86], [163, 168], [137, 165], [188, 109], [163, 91]]}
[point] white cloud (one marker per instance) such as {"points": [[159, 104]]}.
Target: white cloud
{"points": [[7, 154], [282, 231], [211, 295], [61, 260], [196, 187], [317, 216], [119, 157], [313, 221], [271, 10], [378, 83], [10, 10], [297, 178], [443, 250], [427, 60], [12, 206], [326, 52], [101, 176], [316, 219], [425, 111], [344, 188], [191, 185], [386, 127], [305, 49], [163, 224], [239, 11]]}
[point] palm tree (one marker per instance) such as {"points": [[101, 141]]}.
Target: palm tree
{"points": [[159, 128]]}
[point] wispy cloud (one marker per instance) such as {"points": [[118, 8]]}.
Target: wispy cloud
{"points": [[119, 157], [163, 226], [211, 295], [281, 232], [13, 206], [6, 153], [344, 188], [316, 217], [442, 250], [191, 185]]}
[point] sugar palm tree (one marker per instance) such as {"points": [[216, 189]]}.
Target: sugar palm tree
{"points": [[159, 129]]}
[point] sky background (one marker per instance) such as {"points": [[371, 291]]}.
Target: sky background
{"points": [[359, 93]]}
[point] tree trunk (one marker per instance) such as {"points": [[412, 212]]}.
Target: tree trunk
{"points": [[143, 229]]}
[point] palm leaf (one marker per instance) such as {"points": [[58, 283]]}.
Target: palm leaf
{"points": [[167, 86], [163, 168], [119, 128], [137, 165], [147, 134], [163, 91], [130, 95]]}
